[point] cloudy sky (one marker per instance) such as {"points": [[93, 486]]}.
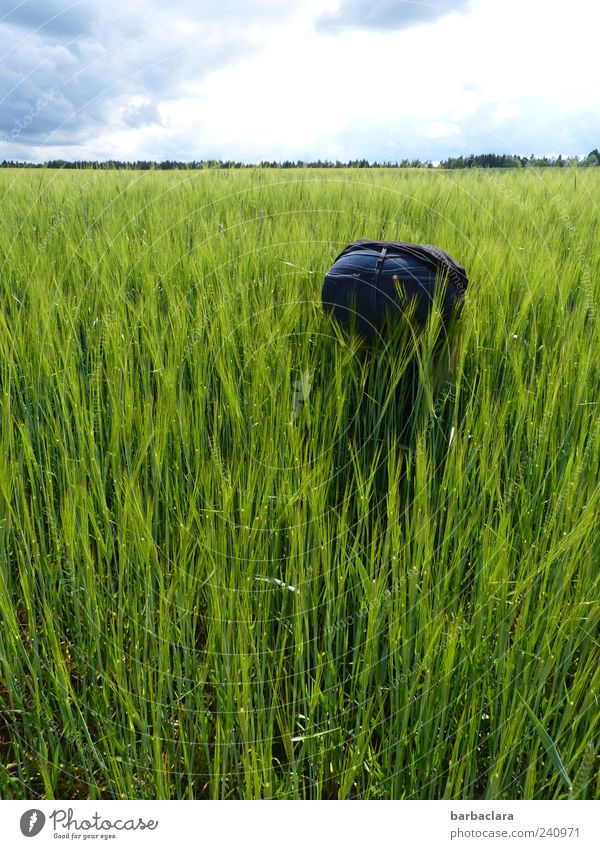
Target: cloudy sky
{"points": [[297, 79]]}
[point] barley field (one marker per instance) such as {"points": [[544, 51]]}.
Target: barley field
{"points": [[227, 568]]}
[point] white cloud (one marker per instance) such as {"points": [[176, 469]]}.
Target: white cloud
{"points": [[262, 80], [440, 130], [506, 110]]}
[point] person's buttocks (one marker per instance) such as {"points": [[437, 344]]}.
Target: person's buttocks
{"points": [[370, 280]]}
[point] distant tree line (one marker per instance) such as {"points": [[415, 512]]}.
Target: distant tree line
{"points": [[482, 160], [505, 160], [170, 165]]}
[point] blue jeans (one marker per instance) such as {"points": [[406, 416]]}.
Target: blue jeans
{"points": [[360, 288]]}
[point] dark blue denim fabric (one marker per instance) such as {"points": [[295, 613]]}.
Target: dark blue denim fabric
{"points": [[362, 284]]}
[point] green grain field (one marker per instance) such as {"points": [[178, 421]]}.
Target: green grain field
{"points": [[208, 590]]}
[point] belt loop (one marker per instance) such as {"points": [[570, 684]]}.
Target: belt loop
{"points": [[380, 261], [379, 266], [373, 295]]}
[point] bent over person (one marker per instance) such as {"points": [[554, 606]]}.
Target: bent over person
{"points": [[366, 280], [372, 286]]}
